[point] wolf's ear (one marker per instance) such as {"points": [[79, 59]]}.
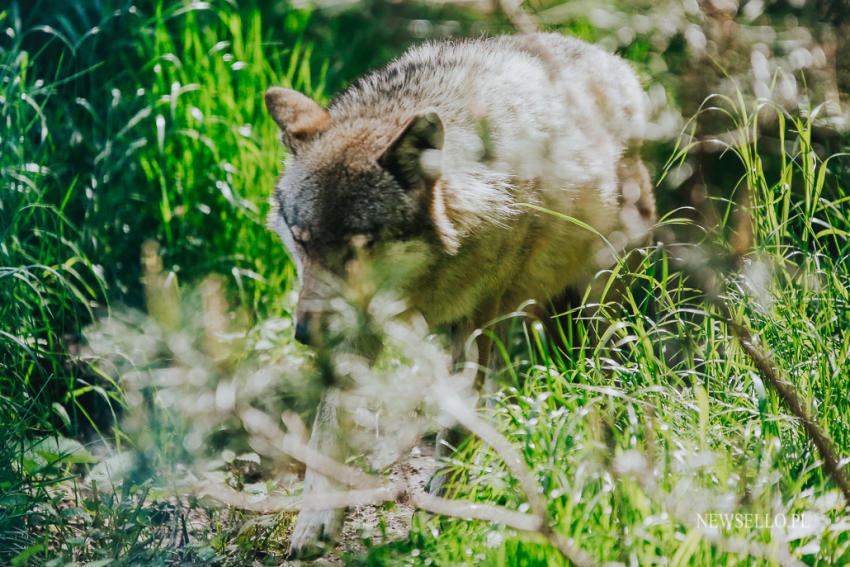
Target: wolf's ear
{"points": [[403, 159], [299, 117]]}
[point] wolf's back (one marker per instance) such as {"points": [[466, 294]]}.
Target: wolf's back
{"points": [[508, 71], [536, 119], [540, 118]]}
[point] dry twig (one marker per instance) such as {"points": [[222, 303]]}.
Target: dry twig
{"points": [[368, 489], [773, 375]]}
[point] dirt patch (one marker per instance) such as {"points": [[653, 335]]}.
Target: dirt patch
{"points": [[380, 524]]}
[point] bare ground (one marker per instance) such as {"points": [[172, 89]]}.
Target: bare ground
{"points": [[379, 524]]}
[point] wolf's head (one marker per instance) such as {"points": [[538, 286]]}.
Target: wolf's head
{"points": [[350, 188]]}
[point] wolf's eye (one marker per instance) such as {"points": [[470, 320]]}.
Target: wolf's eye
{"points": [[300, 234], [362, 242], [357, 247]]}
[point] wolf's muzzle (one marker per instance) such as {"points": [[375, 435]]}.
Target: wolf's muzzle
{"points": [[302, 330]]}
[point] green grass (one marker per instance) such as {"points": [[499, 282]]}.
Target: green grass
{"points": [[134, 122], [631, 446], [124, 124]]}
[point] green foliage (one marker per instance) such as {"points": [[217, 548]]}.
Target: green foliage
{"points": [[122, 122], [132, 121], [48, 282], [634, 447]]}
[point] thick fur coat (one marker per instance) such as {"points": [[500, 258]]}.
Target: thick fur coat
{"points": [[543, 119], [453, 151]]}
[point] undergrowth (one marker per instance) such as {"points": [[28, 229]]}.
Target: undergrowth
{"points": [[131, 122], [122, 123], [663, 442]]}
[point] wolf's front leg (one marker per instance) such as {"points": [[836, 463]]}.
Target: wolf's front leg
{"points": [[449, 438], [316, 526]]}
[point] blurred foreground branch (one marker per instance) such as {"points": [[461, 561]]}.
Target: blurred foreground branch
{"points": [[520, 19], [368, 489], [682, 512]]}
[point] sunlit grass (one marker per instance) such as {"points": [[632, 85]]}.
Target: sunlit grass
{"points": [[147, 125], [638, 437], [635, 448], [122, 124]]}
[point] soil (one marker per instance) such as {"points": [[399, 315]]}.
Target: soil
{"points": [[379, 524]]}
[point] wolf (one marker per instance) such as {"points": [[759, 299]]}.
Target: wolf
{"points": [[463, 149]]}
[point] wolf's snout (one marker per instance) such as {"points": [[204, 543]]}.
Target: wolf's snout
{"points": [[302, 330]]}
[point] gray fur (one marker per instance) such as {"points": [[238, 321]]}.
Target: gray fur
{"points": [[441, 149]]}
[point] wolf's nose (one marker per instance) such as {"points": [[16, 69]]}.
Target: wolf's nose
{"points": [[302, 331]]}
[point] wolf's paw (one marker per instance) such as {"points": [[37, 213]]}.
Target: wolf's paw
{"points": [[314, 532]]}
